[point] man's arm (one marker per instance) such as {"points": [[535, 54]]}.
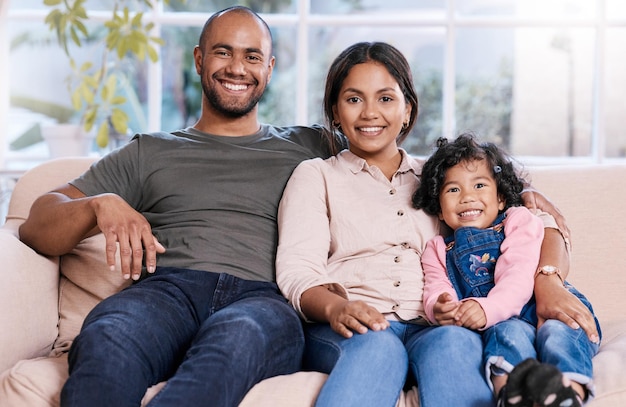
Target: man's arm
{"points": [[60, 219]]}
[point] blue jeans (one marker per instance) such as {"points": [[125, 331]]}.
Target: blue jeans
{"points": [[212, 336], [371, 369], [509, 342]]}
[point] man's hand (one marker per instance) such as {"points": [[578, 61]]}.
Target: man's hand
{"points": [[533, 199], [123, 225], [346, 317], [470, 315], [445, 309], [555, 302]]}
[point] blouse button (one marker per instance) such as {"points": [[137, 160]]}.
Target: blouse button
{"points": [[396, 259], [395, 307], [396, 284], [392, 191], [400, 212], [405, 245]]}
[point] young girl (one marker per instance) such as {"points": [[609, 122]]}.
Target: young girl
{"points": [[481, 277]]}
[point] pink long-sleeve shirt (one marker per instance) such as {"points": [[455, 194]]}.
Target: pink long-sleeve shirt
{"points": [[514, 272]]}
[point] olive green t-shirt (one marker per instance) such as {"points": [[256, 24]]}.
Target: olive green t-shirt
{"points": [[211, 200]]}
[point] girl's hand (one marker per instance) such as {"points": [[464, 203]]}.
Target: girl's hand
{"points": [[445, 309], [471, 315]]}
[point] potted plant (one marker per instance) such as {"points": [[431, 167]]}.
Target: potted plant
{"points": [[100, 87]]}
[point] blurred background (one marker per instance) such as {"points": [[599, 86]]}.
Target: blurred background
{"points": [[543, 78]]}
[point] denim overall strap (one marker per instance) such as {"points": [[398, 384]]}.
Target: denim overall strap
{"points": [[471, 258]]}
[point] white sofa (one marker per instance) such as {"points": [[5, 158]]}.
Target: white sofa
{"points": [[44, 300]]}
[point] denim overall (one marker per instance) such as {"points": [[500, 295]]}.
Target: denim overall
{"points": [[470, 260]]}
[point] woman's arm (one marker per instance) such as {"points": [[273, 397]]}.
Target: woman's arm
{"points": [[553, 300]]}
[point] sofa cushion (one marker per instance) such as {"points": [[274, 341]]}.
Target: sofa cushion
{"points": [[85, 280], [608, 366], [34, 382]]}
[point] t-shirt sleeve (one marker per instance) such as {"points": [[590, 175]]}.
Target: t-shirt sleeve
{"points": [[118, 172]]}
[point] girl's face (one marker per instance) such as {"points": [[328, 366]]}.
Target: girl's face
{"points": [[469, 196], [371, 110]]}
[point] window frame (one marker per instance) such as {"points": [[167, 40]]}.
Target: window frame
{"points": [[303, 19]]}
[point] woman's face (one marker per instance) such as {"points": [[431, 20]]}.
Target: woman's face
{"points": [[371, 110]]}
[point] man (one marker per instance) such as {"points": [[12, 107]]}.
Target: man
{"points": [[210, 319]]}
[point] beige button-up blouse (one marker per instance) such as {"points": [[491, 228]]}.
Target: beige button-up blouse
{"points": [[343, 224]]}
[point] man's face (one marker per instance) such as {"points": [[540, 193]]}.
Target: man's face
{"points": [[235, 64]]}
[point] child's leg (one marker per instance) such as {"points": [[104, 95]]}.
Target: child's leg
{"points": [[506, 344], [570, 350]]}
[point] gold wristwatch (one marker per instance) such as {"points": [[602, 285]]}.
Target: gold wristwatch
{"points": [[548, 270]]}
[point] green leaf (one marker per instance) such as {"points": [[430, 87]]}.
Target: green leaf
{"points": [[157, 40], [86, 93], [119, 119], [52, 2], [102, 138], [76, 99], [136, 21], [90, 119], [81, 27], [118, 100], [109, 88], [86, 66], [153, 54], [90, 82], [75, 36]]}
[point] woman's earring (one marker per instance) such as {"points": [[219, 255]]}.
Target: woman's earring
{"points": [[336, 125], [405, 125]]}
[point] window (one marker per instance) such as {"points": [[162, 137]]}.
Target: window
{"points": [[543, 79]]}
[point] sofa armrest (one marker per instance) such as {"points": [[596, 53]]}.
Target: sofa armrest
{"points": [[28, 301]]}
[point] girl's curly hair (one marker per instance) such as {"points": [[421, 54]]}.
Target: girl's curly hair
{"points": [[466, 148]]}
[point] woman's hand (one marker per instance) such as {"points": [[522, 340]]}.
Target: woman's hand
{"points": [[533, 199], [555, 302], [347, 317]]}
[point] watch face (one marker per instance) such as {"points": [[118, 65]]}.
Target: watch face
{"points": [[549, 269]]}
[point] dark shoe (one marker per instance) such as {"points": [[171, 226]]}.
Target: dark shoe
{"points": [[514, 393], [546, 386]]}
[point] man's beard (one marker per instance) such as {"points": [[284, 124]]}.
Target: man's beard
{"points": [[233, 110]]}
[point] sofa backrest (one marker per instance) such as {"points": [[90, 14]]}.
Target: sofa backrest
{"points": [[590, 196], [40, 180], [593, 199]]}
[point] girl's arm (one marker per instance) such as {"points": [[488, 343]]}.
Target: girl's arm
{"points": [[436, 284], [515, 268]]}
